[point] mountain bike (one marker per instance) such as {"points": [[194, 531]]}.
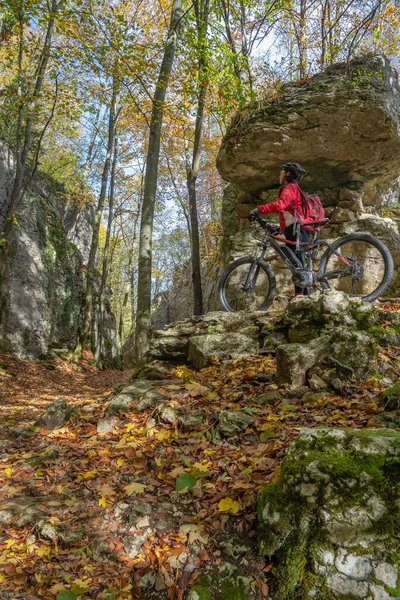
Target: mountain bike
{"points": [[358, 264]]}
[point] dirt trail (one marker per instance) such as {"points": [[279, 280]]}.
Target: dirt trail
{"points": [[28, 387]]}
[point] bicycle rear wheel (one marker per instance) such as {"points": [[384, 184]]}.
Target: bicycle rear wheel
{"points": [[248, 285], [368, 272]]}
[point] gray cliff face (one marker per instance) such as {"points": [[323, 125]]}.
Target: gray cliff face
{"points": [[46, 293], [342, 125]]}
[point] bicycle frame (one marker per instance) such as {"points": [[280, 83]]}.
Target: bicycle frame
{"points": [[309, 249]]}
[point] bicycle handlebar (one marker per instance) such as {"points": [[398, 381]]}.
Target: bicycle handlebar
{"points": [[264, 224]]}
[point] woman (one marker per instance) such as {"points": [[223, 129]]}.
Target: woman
{"points": [[289, 206]]}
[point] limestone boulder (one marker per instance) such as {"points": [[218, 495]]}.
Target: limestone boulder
{"points": [[138, 396], [354, 349], [232, 422], [204, 348], [55, 415], [294, 360], [342, 125], [170, 348], [328, 522]]}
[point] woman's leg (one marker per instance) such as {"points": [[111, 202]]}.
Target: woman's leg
{"points": [[304, 237]]}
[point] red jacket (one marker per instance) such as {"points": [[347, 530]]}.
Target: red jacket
{"points": [[289, 201]]}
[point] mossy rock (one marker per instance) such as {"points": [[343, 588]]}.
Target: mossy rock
{"points": [[390, 398], [337, 500], [227, 583]]}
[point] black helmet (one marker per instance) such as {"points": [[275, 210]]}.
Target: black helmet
{"points": [[294, 169]]}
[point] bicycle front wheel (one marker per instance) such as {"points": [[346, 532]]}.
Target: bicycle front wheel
{"points": [[247, 284], [361, 267]]}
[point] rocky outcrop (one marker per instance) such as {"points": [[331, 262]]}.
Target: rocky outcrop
{"points": [[330, 523], [200, 339], [46, 294], [342, 125], [343, 149], [329, 326]]}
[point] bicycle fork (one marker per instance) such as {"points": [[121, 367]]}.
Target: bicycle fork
{"points": [[254, 270]]}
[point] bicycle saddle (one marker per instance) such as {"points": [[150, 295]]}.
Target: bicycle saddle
{"points": [[316, 223]]}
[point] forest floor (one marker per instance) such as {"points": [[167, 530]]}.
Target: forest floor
{"points": [[28, 387], [193, 492]]}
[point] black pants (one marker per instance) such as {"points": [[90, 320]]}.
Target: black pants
{"points": [[304, 237]]}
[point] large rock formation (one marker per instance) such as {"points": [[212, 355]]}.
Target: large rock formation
{"points": [[329, 325], [331, 521], [342, 125], [46, 294]]}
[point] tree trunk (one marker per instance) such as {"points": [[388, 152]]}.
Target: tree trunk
{"points": [[301, 40], [201, 8], [233, 48], [102, 294], [91, 267], [143, 317]]}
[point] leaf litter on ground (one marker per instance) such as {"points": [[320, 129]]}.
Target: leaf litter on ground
{"points": [[74, 541]]}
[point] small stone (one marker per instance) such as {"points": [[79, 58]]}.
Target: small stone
{"points": [[265, 377], [138, 510], [124, 400], [48, 531], [55, 415], [168, 415], [150, 399], [73, 536], [190, 421], [269, 398], [143, 523], [316, 383], [294, 360], [134, 543], [6, 517], [387, 573], [232, 422], [106, 425], [337, 384]]}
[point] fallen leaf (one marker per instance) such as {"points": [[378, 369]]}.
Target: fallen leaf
{"points": [[134, 488], [194, 532], [185, 480], [228, 505]]}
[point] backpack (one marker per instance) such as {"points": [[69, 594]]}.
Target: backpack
{"points": [[312, 211]]}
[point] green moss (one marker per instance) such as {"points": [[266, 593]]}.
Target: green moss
{"points": [[292, 568], [390, 398], [227, 583], [290, 529], [62, 263], [199, 592]]}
